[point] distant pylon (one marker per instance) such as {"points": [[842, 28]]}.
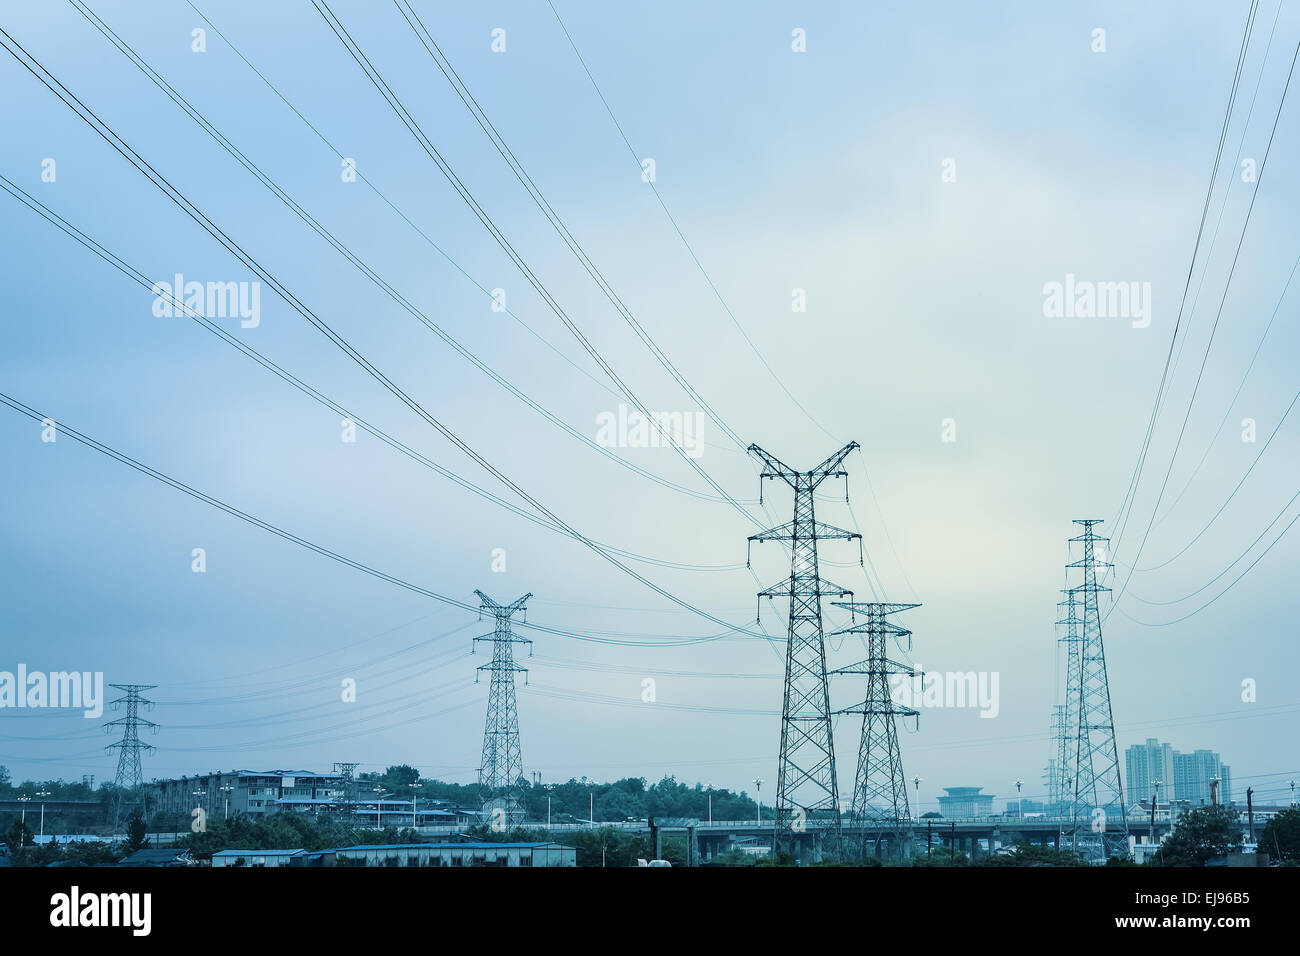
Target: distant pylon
{"points": [[502, 763], [348, 788], [1098, 822], [130, 773], [807, 791], [1066, 715], [879, 789]]}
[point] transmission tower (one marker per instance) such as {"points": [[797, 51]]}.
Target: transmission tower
{"points": [[1066, 715], [807, 791], [130, 774], [879, 789], [346, 772], [1098, 824], [502, 763]]}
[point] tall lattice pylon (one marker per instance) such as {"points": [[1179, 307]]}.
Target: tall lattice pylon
{"points": [[1098, 825], [807, 792], [879, 789], [502, 764], [1066, 715], [130, 773], [347, 791]]}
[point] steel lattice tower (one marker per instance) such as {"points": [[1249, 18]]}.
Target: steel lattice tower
{"points": [[1067, 714], [502, 764], [346, 771], [879, 788], [130, 773], [1098, 823], [806, 790]]}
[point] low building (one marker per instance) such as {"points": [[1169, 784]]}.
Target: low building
{"points": [[252, 792], [457, 854], [158, 856], [257, 857]]}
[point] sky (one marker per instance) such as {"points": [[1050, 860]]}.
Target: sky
{"points": [[916, 175]]}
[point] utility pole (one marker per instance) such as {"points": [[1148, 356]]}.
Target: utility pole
{"points": [[45, 793], [1155, 798], [879, 788], [807, 790], [502, 763], [1250, 812], [130, 773], [1098, 820]]}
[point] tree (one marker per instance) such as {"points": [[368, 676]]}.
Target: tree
{"points": [[136, 831], [398, 779], [1201, 834], [1281, 836], [19, 835]]}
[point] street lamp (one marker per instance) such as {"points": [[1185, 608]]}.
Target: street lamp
{"points": [[379, 807], [709, 787], [1293, 793], [225, 798], [1020, 802], [758, 786], [414, 787], [42, 794], [916, 782], [22, 833], [549, 788]]}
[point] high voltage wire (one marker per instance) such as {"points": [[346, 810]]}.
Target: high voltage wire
{"points": [[1227, 190], [489, 129], [1214, 517], [140, 278], [1251, 567], [1130, 495], [1214, 328], [323, 551], [426, 144], [1231, 404], [677, 228], [106, 132], [366, 270]]}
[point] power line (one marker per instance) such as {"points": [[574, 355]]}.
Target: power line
{"points": [[382, 284], [681, 235], [1218, 315], [427, 145], [140, 278], [91, 119], [1130, 495], [480, 116], [106, 450]]}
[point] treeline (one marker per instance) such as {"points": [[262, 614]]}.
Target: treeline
{"points": [[631, 798]]}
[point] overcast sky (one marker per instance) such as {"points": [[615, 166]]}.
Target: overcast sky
{"points": [[822, 171]]}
